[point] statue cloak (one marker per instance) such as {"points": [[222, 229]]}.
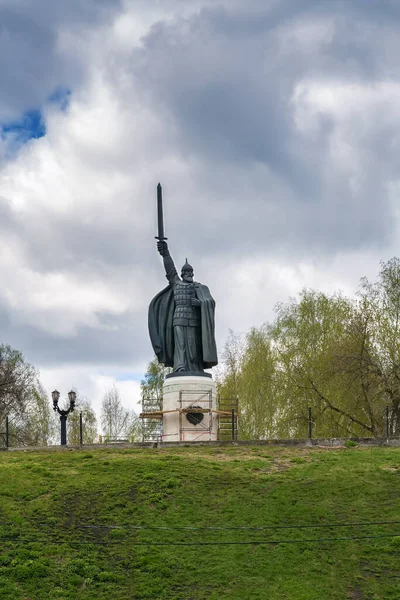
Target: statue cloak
{"points": [[161, 330]]}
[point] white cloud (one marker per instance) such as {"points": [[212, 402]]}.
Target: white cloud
{"points": [[272, 159], [91, 385], [358, 102]]}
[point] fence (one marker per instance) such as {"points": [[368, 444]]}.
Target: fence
{"points": [[229, 418], [228, 425], [8, 434], [312, 424]]}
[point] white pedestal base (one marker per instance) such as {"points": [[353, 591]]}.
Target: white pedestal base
{"points": [[183, 393]]}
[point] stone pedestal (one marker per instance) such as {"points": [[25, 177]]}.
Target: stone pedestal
{"points": [[185, 392]]}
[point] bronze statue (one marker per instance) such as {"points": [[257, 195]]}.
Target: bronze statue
{"points": [[181, 316]]}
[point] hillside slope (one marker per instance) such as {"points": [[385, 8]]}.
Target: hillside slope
{"points": [[110, 524]]}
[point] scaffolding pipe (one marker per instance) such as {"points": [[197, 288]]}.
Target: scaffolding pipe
{"points": [[80, 429]]}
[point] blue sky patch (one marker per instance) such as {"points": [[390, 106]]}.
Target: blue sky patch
{"points": [[61, 97], [29, 126], [125, 376]]}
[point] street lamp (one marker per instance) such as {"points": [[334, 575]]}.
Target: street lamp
{"points": [[63, 413]]}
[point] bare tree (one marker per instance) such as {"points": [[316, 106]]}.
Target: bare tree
{"points": [[116, 420], [229, 371], [89, 422]]}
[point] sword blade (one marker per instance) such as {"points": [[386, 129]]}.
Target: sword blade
{"points": [[160, 215]]}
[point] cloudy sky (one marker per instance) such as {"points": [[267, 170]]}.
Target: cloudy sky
{"points": [[273, 125]]}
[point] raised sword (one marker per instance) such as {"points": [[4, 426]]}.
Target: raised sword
{"points": [[160, 215]]}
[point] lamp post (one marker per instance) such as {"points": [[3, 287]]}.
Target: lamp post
{"points": [[63, 413]]}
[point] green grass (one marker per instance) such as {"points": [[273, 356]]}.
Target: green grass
{"points": [[46, 499]]}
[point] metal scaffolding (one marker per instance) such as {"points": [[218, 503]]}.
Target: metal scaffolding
{"points": [[228, 422], [196, 415], [194, 418], [151, 420]]}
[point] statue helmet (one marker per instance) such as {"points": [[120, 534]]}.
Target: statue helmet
{"points": [[187, 267]]}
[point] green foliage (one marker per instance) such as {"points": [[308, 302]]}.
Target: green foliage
{"points": [[151, 388], [251, 375], [18, 380], [350, 444], [228, 372], [30, 569], [38, 424], [379, 310], [151, 385], [337, 355], [310, 336], [51, 549]]}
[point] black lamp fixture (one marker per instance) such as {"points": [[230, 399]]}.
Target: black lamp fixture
{"points": [[63, 413]]}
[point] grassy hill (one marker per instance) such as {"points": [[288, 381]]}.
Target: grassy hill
{"points": [[110, 524]]}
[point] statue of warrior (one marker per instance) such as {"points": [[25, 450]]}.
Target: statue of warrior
{"points": [[181, 320]]}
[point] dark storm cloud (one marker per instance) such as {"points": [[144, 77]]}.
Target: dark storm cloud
{"points": [[222, 81], [30, 66], [227, 77], [104, 345], [78, 246]]}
